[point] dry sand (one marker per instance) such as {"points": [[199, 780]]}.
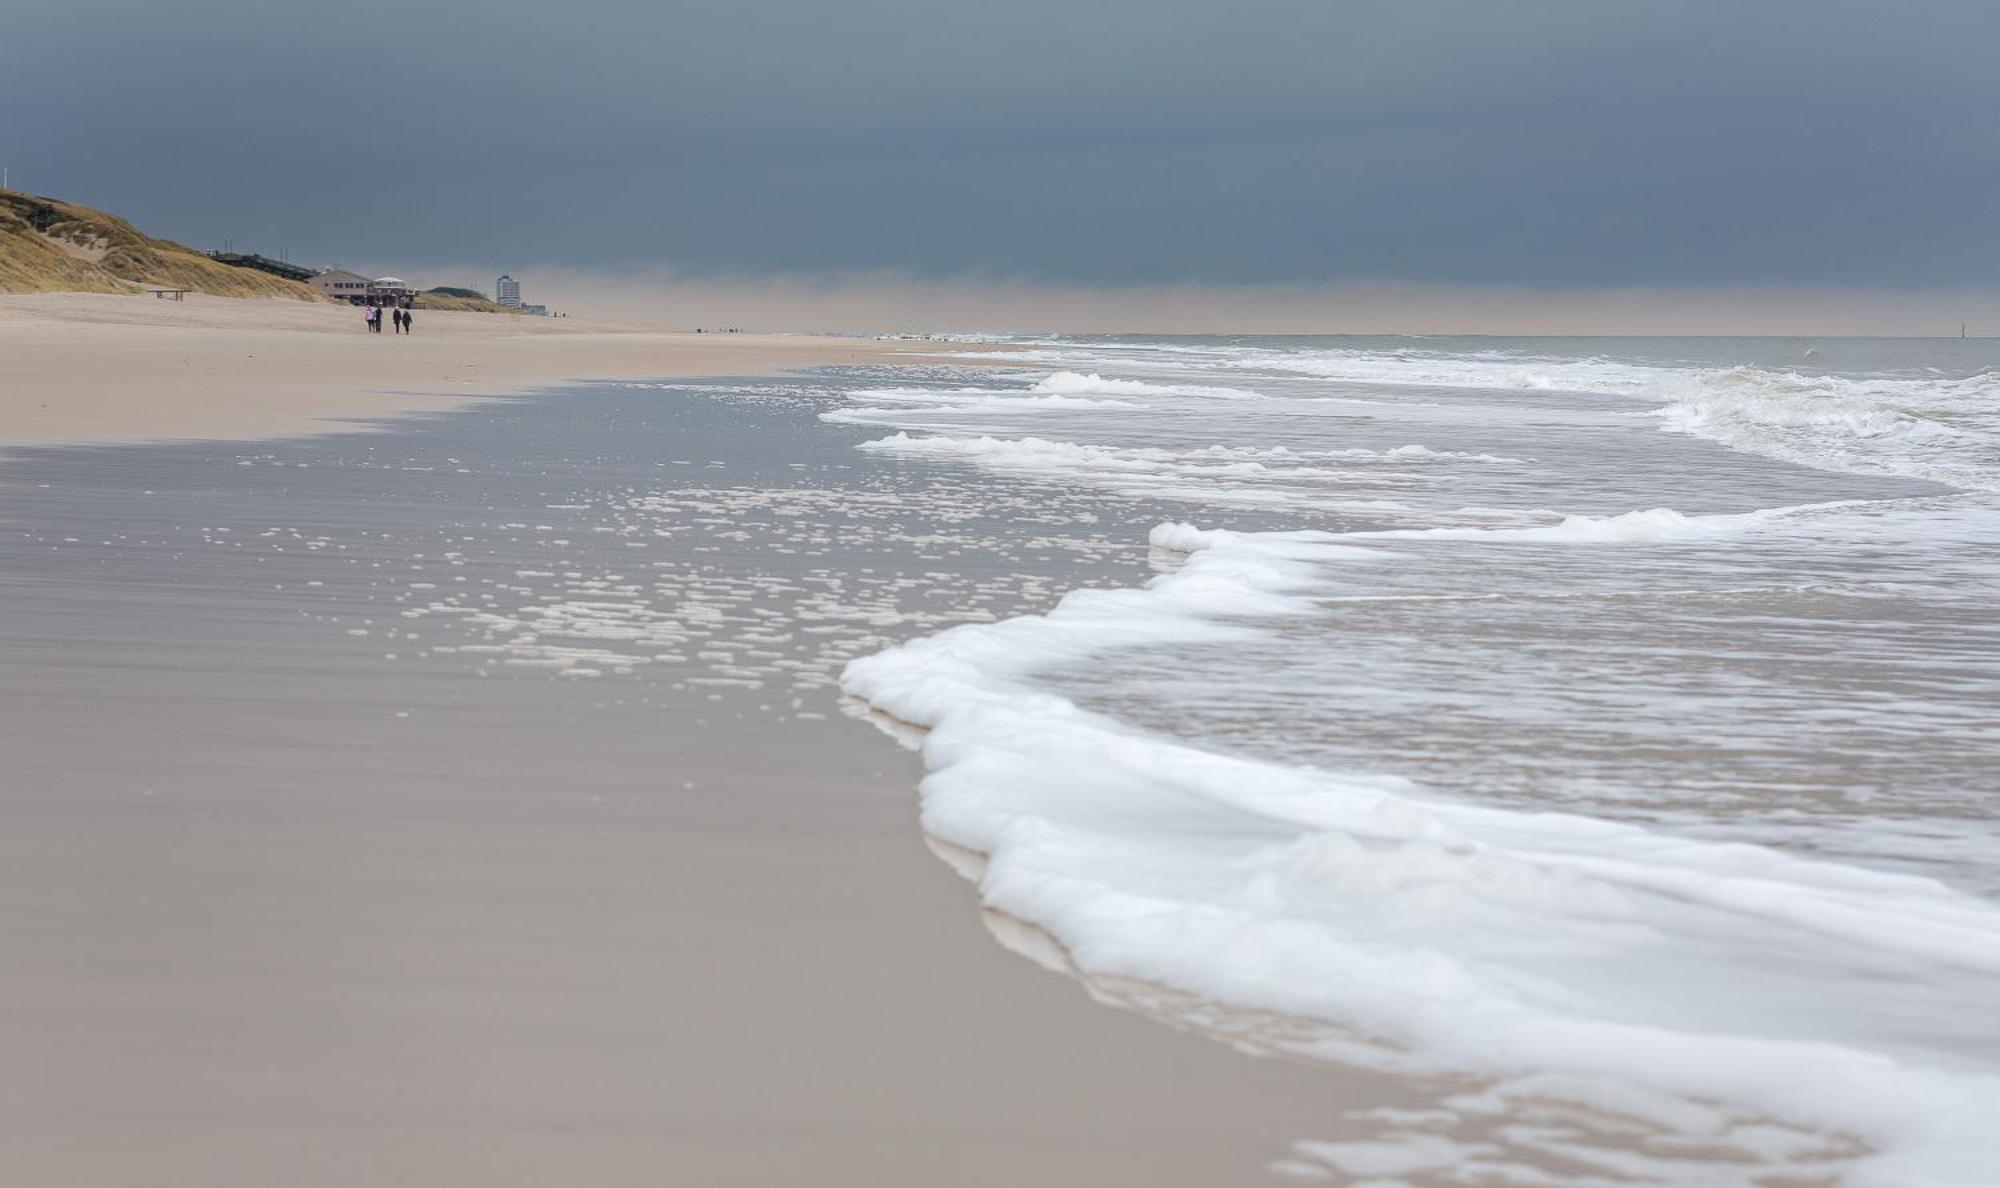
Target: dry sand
{"points": [[77, 367]]}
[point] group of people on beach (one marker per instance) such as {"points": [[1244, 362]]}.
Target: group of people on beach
{"points": [[399, 315]]}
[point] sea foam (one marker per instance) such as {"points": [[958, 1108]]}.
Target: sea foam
{"points": [[1598, 766], [1928, 427], [1432, 934]]}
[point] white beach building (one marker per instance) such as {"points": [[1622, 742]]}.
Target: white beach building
{"points": [[507, 291], [339, 282]]}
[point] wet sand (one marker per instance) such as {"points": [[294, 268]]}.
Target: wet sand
{"points": [[303, 888]]}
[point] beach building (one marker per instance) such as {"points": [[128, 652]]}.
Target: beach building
{"points": [[390, 290], [507, 291], [355, 289], [339, 282]]}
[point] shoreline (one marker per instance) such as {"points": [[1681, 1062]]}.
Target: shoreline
{"points": [[85, 368], [654, 586], [1202, 783], [453, 914]]}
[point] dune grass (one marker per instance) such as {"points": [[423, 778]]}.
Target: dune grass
{"points": [[47, 245], [471, 300]]}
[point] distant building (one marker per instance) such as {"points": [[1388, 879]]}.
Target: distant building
{"points": [[507, 291], [350, 287], [540, 311], [390, 290]]}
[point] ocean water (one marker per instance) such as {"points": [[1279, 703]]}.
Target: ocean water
{"points": [[1605, 730]]}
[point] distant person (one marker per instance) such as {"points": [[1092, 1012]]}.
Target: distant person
{"points": [[409, 320], [398, 315], [373, 319]]}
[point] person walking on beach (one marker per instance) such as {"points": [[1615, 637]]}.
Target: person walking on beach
{"points": [[408, 320], [373, 319]]}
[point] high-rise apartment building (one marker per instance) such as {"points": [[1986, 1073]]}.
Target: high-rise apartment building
{"points": [[507, 291]]}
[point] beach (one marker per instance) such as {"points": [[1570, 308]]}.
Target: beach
{"points": [[1186, 761], [1389, 596], [97, 367], [315, 881]]}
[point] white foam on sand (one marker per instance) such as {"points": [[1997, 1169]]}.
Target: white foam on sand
{"points": [[1438, 935]]}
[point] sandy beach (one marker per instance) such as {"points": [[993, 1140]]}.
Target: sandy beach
{"points": [[1389, 596], [102, 367], [317, 878], [496, 796]]}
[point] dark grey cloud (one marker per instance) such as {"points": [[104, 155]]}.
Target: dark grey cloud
{"points": [[1537, 142]]}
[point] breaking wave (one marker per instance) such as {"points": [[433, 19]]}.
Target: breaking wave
{"points": [[1429, 934], [1927, 427], [1520, 742]]}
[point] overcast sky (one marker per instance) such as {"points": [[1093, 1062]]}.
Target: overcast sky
{"points": [[1557, 143]]}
